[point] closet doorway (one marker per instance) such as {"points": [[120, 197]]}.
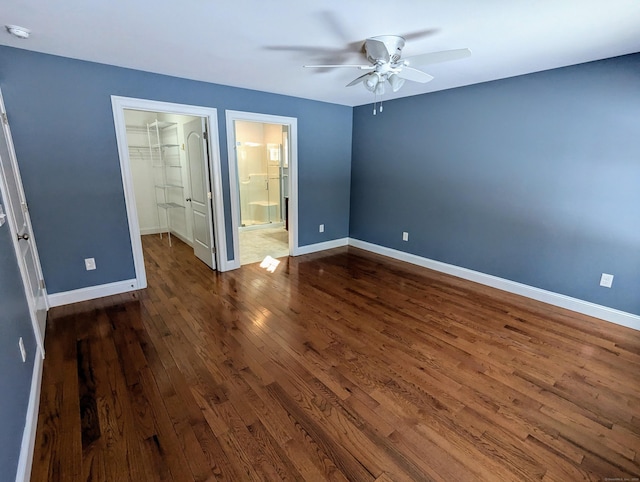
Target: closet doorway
{"points": [[171, 175], [169, 167], [261, 162]]}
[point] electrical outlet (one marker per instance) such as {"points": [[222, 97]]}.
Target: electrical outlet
{"points": [[321, 228], [405, 236], [23, 352], [606, 280], [90, 263]]}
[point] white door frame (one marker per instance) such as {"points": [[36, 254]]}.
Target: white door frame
{"points": [[234, 194], [13, 228], [118, 105]]}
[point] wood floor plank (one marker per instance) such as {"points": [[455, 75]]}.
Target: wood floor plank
{"points": [[340, 365]]}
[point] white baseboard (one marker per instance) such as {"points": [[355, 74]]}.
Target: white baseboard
{"points": [[314, 248], [29, 435], [182, 238], [580, 306], [146, 231], [93, 292]]}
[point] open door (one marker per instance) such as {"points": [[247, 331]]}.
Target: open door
{"points": [[201, 197], [20, 226]]}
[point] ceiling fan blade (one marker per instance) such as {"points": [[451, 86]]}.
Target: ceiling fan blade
{"points": [[359, 79], [333, 23], [419, 34], [436, 57], [305, 49], [337, 66], [415, 75], [376, 50]]}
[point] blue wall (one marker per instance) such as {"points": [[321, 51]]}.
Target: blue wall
{"points": [[64, 136], [15, 376], [534, 179]]}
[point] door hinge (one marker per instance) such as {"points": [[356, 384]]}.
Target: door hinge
{"points": [[213, 249], [205, 134], [209, 195], [42, 285], [25, 208], [5, 119]]}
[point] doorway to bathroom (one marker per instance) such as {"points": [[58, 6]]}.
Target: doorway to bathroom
{"points": [[262, 153], [262, 173]]}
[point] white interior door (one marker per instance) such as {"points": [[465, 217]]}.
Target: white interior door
{"points": [[201, 198], [20, 226]]}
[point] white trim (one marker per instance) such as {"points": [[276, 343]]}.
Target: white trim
{"points": [[580, 306], [146, 231], [31, 424], [234, 195], [92, 292], [314, 248], [118, 104], [13, 228]]}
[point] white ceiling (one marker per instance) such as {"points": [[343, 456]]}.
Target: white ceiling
{"points": [[262, 44]]}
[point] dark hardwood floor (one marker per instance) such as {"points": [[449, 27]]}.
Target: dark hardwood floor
{"points": [[341, 365]]}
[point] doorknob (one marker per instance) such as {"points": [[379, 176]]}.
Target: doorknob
{"points": [[24, 236]]}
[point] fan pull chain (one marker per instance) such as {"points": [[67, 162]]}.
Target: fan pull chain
{"points": [[375, 101], [374, 107]]}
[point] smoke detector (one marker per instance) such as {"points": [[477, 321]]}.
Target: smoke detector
{"points": [[17, 31]]}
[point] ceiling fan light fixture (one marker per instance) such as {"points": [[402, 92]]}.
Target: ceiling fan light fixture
{"points": [[17, 31], [372, 82], [396, 82]]}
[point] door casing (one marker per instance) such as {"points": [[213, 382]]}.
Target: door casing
{"points": [[119, 104], [234, 194]]}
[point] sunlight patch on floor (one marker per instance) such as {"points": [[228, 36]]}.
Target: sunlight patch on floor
{"points": [[270, 264]]}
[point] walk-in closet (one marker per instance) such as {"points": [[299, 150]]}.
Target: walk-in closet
{"points": [[169, 163]]}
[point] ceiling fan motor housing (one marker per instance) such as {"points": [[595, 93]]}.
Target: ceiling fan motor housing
{"points": [[392, 43]]}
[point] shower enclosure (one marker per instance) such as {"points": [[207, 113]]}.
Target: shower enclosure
{"points": [[262, 173]]}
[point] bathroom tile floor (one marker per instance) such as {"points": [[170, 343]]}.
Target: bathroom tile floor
{"points": [[257, 243]]}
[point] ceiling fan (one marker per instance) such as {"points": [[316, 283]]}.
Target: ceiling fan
{"points": [[384, 53]]}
